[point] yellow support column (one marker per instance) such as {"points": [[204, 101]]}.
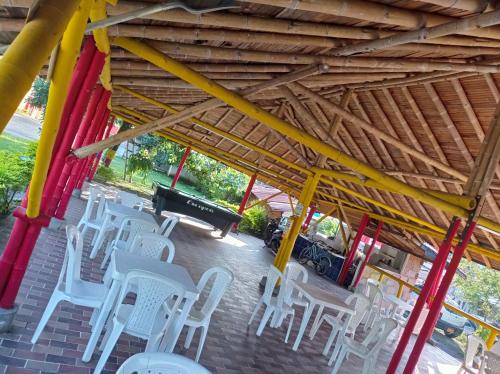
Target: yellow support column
{"points": [[65, 62], [290, 235], [381, 277], [491, 339], [30, 50], [400, 290]]}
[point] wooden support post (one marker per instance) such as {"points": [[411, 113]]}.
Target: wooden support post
{"points": [[368, 254], [180, 167], [349, 258]]}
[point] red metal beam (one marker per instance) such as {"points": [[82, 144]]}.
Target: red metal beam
{"points": [[368, 253], [180, 167]]}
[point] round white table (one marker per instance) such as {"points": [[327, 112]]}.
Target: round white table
{"points": [[121, 264]]}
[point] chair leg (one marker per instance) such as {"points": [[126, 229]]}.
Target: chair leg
{"points": [[203, 335], [330, 340], [339, 361], [107, 254], [338, 345], [263, 322], [257, 307], [367, 365], [189, 337], [51, 306], [108, 348], [315, 328], [290, 323]]}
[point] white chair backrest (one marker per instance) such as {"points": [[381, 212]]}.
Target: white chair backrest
{"points": [[152, 291], [151, 244], [297, 273], [361, 304], [129, 199], [131, 227], [160, 363], [273, 275], [70, 271], [471, 349], [371, 291], [379, 333], [168, 225], [222, 278], [496, 348], [96, 196]]}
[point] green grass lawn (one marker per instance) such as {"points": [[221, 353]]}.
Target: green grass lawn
{"points": [[13, 143], [144, 186]]}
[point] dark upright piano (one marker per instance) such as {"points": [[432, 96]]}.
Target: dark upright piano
{"points": [[165, 198]]}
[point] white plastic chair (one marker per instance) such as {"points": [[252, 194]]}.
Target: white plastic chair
{"points": [[69, 286], [93, 216], [375, 313], [274, 305], [160, 363], [471, 352], [129, 229], [129, 199], [200, 318], [343, 323], [297, 273], [168, 225], [150, 244], [367, 350], [143, 319]]}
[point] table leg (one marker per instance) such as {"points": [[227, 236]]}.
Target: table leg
{"points": [[172, 334], [316, 320], [303, 324], [100, 237], [101, 320]]}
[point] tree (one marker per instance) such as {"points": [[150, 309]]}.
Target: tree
{"points": [[141, 163], [328, 226], [39, 94]]}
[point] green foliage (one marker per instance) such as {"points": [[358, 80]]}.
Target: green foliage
{"points": [[165, 151], [481, 290], [141, 163], [15, 174], [105, 174], [328, 226], [254, 221], [39, 94]]}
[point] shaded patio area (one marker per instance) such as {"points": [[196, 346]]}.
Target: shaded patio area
{"points": [[231, 347]]}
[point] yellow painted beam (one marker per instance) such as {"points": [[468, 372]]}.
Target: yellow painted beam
{"points": [[29, 51], [97, 13], [262, 201], [253, 111], [68, 52]]}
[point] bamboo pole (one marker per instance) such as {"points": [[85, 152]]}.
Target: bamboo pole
{"points": [[470, 5], [262, 201], [452, 27], [68, 51], [235, 54], [97, 13], [253, 111], [40, 35], [376, 13], [194, 110]]}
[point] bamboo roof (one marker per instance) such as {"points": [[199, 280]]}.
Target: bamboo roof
{"points": [[433, 97]]}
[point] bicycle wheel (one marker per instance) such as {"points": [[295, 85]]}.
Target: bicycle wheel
{"points": [[322, 265], [305, 255]]}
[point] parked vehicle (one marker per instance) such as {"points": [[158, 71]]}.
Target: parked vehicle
{"points": [[271, 227], [318, 255]]}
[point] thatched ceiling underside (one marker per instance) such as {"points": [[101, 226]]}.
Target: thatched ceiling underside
{"points": [[445, 116]]}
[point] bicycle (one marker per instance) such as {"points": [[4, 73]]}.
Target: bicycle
{"points": [[319, 257]]}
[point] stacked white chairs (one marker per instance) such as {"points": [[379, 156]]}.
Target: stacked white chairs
{"points": [[160, 363], [200, 317], [144, 319], [93, 216], [274, 305], [168, 225], [372, 291], [69, 286], [368, 349], [153, 245], [474, 350], [129, 229], [343, 323], [129, 199], [297, 273]]}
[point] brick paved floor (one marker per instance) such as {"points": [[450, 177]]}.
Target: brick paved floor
{"points": [[231, 347]]}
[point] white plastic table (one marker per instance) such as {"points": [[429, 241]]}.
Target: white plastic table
{"points": [[396, 304], [114, 214], [323, 298], [121, 264]]}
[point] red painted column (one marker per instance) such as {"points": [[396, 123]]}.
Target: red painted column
{"points": [[80, 164], [368, 254], [59, 170], [309, 217], [435, 309], [441, 257], [97, 160], [246, 196], [352, 253], [180, 167], [436, 283]]}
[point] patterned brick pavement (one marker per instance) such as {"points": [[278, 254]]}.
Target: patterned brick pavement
{"points": [[231, 347]]}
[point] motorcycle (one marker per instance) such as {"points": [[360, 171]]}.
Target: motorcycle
{"points": [[271, 227]]}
